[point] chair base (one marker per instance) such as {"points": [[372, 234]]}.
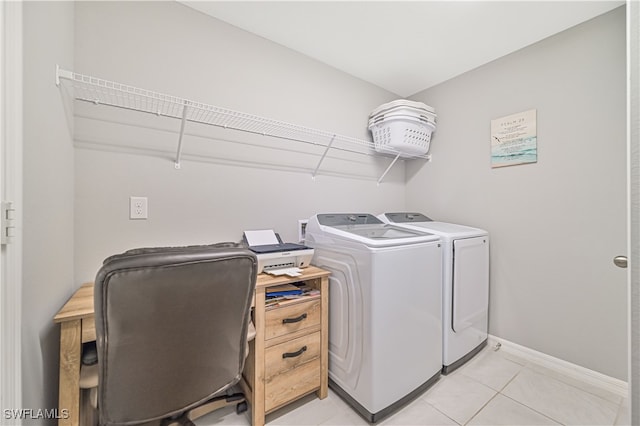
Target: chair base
{"points": [[217, 403], [208, 407], [90, 413]]}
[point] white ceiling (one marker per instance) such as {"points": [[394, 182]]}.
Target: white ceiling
{"points": [[404, 46]]}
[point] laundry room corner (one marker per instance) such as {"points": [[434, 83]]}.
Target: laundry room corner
{"points": [[557, 223]]}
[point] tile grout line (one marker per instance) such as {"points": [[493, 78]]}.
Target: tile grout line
{"points": [[533, 409], [440, 411], [551, 377], [498, 392], [482, 408], [512, 379], [570, 381], [525, 405]]}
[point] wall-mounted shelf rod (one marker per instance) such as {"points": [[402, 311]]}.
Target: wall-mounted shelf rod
{"points": [[185, 108], [324, 154], [99, 91], [388, 168]]}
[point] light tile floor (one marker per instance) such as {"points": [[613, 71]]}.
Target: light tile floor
{"points": [[494, 388]]}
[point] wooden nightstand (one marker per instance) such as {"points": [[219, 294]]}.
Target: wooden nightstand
{"points": [[288, 359]]}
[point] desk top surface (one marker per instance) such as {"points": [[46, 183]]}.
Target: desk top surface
{"points": [[80, 305]]}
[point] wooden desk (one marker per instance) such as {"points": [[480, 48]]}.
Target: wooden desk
{"points": [[77, 326]]}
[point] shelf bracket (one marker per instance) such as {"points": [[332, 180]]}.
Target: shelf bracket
{"points": [[388, 168], [324, 154], [184, 119], [62, 73]]}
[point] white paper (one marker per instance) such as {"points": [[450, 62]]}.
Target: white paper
{"points": [[261, 237], [291, 272]]}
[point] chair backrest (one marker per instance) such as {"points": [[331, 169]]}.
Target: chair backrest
{"points": [[171, 326]]}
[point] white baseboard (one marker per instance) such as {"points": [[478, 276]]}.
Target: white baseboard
{"points": [[611, 384]]}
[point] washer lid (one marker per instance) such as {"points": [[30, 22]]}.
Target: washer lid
{"points": [[451, 230], [369, 229], [420, 222]]}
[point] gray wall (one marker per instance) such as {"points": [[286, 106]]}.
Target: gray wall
{"points": [[556, 224], [222, 188], [48, 197]]}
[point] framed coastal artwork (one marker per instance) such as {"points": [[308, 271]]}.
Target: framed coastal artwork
{"points": [[514, 139]]}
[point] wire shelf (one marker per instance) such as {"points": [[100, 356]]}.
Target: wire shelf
{"points": [[104, 92]]}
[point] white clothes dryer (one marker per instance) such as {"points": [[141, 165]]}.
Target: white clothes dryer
{"points": [[465, 286], [385, 319]]}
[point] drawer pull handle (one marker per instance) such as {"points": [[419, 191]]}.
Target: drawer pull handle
{"points": [[291, 320], [294, 354]]}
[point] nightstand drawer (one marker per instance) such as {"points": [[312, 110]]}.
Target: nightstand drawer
{"points": [[296, 374], [288, 355], [290, 318]]}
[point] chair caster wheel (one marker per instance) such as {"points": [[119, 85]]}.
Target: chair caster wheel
{"points": [[241, 407]]}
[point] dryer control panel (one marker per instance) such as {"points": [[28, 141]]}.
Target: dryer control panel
{"points": [[407, 217]]}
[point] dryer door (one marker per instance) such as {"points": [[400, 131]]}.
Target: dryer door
{"points": [[470, 303]]}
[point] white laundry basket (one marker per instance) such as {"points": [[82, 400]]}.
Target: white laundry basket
{"points": [[402, 127]]}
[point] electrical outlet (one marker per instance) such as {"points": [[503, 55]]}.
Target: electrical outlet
{"points": [[138, 208], [302, 228]]}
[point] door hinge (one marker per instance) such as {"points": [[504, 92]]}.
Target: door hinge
{"points": [[7, 225]]}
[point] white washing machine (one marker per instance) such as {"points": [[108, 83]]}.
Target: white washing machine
{"points": [[385, 320], [465, 287]]}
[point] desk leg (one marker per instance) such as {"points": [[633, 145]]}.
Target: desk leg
{"points": [[69, 391], [257, 402], [324, 339]]}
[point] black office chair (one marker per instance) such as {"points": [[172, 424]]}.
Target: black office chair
{"points": [[171, 327]]}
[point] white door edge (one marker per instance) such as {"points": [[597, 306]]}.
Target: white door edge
{"points": [[633, 205], [11, 132]]}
